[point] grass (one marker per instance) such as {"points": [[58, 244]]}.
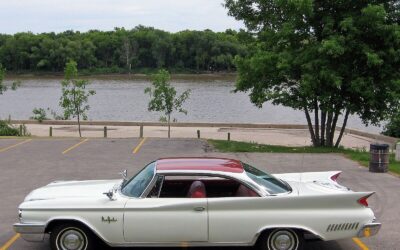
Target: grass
{"points": [[360, 156]]}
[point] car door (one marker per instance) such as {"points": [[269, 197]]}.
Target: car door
{"points": [[166, 220], [239, 213]]}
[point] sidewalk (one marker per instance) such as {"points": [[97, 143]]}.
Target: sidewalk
{"points": [[272, 136]]}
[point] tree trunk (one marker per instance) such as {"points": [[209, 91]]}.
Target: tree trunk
{"points": [[323, 123], [333, 128], [78, 114], [79, 126], [316, 110], [310, 127], [169, 126], [343, 128], [126, 45], [328, 129]]}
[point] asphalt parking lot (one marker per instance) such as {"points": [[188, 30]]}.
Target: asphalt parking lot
{"points": [[26, 164]]}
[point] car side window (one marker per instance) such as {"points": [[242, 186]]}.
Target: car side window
{"points": [[183, 186]]}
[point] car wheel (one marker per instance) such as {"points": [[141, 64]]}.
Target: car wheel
{"points": [[71, 237], [281, 239]]}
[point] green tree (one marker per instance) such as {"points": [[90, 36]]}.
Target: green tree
{"points": [[326, 58], [392, 128], [74, 99], [164, 97], [116, 51]]}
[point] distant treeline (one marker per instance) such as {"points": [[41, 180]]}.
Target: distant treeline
{"points": [[123, 50]]}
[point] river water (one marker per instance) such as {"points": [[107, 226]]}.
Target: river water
{"points": [[211, 100]]}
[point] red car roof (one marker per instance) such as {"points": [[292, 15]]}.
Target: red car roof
{"points": [[208, 164]]}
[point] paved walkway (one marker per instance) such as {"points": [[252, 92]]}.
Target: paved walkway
{"points": [[284, 137]]}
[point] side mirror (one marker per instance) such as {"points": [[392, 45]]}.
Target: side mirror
{"points": [[124, 175]]}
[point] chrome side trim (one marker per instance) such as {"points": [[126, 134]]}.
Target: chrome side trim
{"points": [[180, 244], [90, 209]]}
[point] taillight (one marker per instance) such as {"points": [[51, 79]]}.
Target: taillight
{"points": [[363, 201], [335, 177]]}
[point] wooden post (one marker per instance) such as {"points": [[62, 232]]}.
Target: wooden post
{"points": [[229, 136], [198, 134], [141, 131], [105, 131], [20, 130], [398, 151], [51, 131]]}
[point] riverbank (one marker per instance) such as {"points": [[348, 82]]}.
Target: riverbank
{"points": [[203, 76], [272, 134]]}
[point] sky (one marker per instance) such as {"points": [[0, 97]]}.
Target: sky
{"points": [[40, 16]]}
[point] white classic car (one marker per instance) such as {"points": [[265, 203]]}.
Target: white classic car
{"points": [[197, 202]]}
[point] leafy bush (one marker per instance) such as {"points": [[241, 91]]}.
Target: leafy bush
{"points": [[39, 115], [8, 130], [393, 127]]}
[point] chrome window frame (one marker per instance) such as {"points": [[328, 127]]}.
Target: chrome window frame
{"points": [[196, 173]]}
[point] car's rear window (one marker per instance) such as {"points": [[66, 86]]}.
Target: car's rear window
{"points": [[270, 183]]}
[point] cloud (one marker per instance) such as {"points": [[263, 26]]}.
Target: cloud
{"points": [[59, 15]]}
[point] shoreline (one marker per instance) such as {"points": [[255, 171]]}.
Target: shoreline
{"points": [[124, 76]]}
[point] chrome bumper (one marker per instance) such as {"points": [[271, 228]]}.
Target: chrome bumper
{"points": [[369, 229], [30, 232]]}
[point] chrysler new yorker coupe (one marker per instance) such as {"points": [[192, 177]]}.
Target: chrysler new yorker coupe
{"points": [[197, 202]]}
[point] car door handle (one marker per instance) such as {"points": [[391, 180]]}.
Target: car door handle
{"points": [[199, 209]]}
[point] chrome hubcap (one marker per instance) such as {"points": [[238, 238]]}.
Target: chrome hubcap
{"points": [[72, 240], [283, 240]]}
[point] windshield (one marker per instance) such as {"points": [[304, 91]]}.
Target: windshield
{"points": [[270, 183], [136, 186]]}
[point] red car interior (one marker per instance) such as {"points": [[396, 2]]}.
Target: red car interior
{"points": [[210, 188], [197, 190]]}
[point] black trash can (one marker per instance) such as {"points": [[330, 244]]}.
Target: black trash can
{"points": [[379, 160]]}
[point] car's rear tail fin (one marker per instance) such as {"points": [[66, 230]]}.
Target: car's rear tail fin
{"points": [[335, 176], [363, 201]]}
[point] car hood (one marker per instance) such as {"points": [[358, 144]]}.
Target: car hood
{"points": [[72, 189]]}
